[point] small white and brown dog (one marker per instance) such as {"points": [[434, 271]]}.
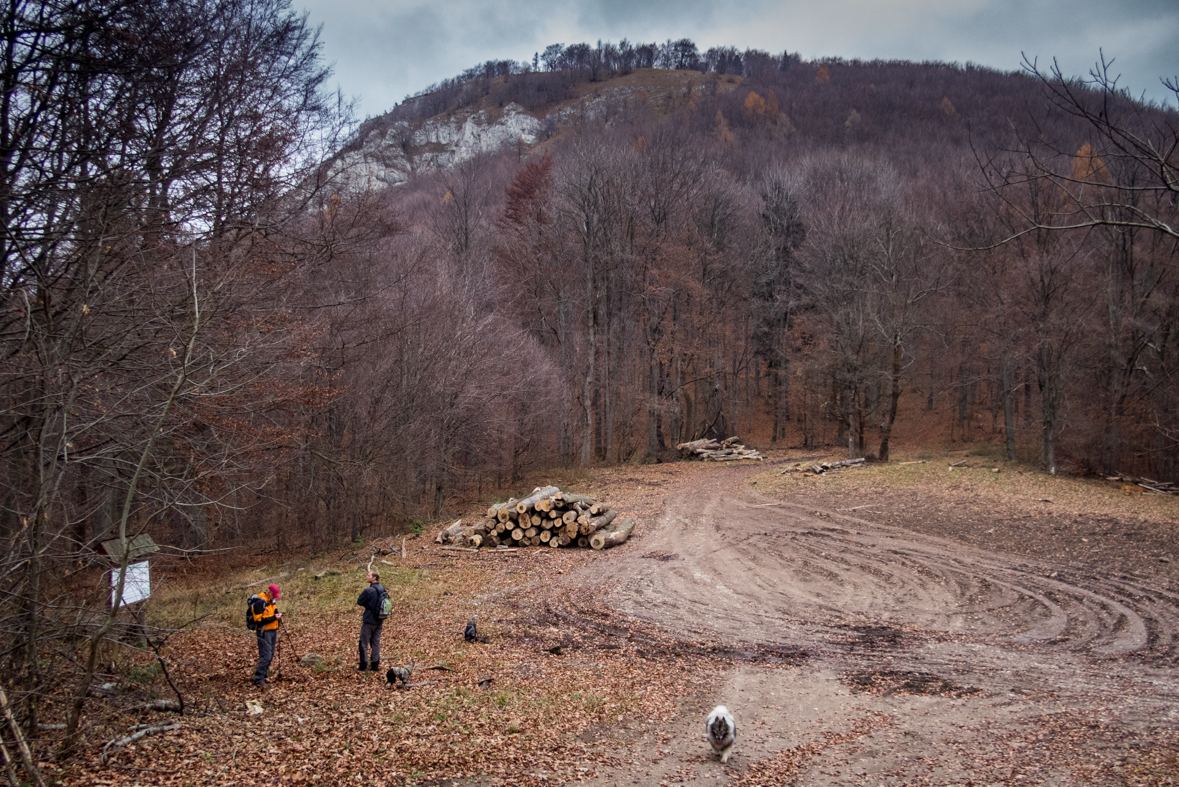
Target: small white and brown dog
{"points": [[721, 731]]}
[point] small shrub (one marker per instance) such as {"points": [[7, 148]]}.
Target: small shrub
{"points": [[145, 673]]}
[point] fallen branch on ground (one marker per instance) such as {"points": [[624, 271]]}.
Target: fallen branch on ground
{"points": [[268, 579], [821, 469], [161, 705], [136, 736]]}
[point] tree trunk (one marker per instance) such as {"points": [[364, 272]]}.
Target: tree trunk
{"points": [[571, 500], [507, 512], [1008, 410], [1049, 377], [894, 397], [529, 503], [594, 524], [609, 538]]}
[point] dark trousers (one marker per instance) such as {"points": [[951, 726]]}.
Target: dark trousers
{"points": [[370, 634], [266, 642]]}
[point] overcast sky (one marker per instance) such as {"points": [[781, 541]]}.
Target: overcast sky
{"points": [[386, 50]]}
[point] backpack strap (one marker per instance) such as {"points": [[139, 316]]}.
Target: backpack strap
{"points": [[380, 601]]}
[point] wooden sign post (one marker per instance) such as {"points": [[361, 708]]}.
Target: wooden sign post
{"points": [[137, 582]]}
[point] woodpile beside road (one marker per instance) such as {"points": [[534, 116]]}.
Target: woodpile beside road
{"points": [[822, 467], [709, 450], [547, 517], [1147, 484]]}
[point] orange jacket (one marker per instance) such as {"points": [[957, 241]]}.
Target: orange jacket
{"points": [[267, 616]]}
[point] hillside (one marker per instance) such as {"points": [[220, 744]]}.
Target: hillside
{"points": [[904, 108], [707, 252]]}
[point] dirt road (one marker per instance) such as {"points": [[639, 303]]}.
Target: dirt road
{"points": [[879, 655]]}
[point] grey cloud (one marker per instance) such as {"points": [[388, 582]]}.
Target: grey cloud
{"points": [[619, 15], [387, 49]]}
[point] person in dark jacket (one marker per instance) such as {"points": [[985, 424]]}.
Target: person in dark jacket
{"points": [[267, 616], [370, 625]]}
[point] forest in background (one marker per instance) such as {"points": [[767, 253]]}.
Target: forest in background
{"points": [[207, 340], [802, 252]]}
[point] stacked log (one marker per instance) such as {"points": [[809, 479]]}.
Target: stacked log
{"points": [[822, 467], [709, 450], [1150, 485], [448, 535], [546, 518], [611, 537]]}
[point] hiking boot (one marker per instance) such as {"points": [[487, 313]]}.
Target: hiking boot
{"points": [[363, 666], [374, 665]]}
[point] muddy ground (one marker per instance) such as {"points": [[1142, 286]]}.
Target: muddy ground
{"points": [[899, 636]]}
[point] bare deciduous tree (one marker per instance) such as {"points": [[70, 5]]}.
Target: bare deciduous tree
{"points": [[149, 155]]}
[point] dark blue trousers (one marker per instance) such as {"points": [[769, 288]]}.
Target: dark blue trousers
{"points": [[370, 635], [266, 642]]}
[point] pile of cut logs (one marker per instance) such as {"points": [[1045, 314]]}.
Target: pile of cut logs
{"points": [[547, 517], [727, 450], [822, 467], [1161, 487]]}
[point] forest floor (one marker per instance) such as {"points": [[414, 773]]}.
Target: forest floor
{"points": [[939, 620]]}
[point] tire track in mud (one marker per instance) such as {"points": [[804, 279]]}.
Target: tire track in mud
{"points": [[737, 566], [830, 621]]}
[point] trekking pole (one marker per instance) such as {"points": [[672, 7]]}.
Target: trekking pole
{"points": [[294, 648], [278, 649]]}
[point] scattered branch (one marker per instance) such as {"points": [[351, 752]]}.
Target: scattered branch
{"points": [[136, 736], [22, 745]]}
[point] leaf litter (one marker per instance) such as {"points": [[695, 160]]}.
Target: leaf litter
{"points": [[566, 680]]}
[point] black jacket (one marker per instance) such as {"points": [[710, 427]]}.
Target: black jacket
{"points": [[370, 599]]}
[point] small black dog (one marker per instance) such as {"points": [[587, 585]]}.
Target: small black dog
{"points": [[471, 635]]}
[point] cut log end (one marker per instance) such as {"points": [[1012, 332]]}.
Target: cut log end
{"points": [[603, 539]]}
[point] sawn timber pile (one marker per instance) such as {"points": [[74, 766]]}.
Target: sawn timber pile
{"points": [[709, 450], [547, 517]]}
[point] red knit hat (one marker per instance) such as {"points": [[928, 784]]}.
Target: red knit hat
{"points": [[273, 592]]}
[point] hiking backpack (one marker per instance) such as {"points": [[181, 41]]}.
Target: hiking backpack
{"points": [[251, 623], [384, 603]]}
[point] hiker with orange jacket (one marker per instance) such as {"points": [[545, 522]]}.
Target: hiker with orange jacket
{"points": [[267, 618]]}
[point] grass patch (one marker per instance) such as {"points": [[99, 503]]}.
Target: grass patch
{"points": [[144, 674], [222, 602], [973, 473], [503, 699]]}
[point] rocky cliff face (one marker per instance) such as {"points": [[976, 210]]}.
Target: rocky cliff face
{"points": [[393, 151], [388, 157]]}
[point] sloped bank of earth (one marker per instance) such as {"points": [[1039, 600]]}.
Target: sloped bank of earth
{"points": [[945, 629]]}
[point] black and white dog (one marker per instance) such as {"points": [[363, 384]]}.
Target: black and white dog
{"points": [[400, 673], [721, 731]]}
